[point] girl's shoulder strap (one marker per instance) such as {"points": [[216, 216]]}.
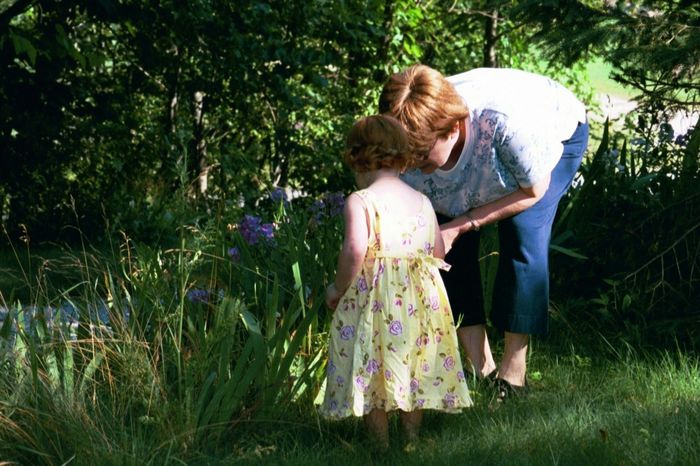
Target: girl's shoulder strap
{"points": [[372, 213], [368, 198]]}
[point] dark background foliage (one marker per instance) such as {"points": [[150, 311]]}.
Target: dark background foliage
{"points": [[144, 116]]}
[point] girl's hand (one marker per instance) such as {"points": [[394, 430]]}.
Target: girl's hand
{"points": [[449, 236], [332, 296]]}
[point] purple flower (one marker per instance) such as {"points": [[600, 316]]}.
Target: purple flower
{"points": [[460, 376], [414, 385], [395, 328], [422, 340], [387, 374], [428, 248], [347, 332], [333, 405], [234, 254], [434, 303], [335, 202], [318, 210], [331, 368], [267, 231], [360, 383], [330, 205], [377, 306], [198, 295], [449, 363], [450, 400], [425, 367], [380, 271], [340, 380], [420, 402], [411, 310], [252, 229], [362, 284], [372, 366], [278, 195]]}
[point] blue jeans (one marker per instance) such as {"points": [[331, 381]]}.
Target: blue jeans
{"points": [[520, 300]]}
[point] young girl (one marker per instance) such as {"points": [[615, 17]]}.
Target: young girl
{"points": [[393, 344]]}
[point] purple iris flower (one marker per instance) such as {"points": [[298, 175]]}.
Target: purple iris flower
{"points": [[253, 230], [278, 195], [235, 254], [196, 295], [335, 203]]}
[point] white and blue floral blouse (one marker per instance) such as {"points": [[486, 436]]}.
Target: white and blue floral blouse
{"points": [[518, 122]]}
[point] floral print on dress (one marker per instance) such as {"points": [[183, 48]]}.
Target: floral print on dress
{"points": [[393, 343]]}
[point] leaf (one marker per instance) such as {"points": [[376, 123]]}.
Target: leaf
{"points": [[626, 301], [89, 371], [568, 252], [6, 328], [23, 46]]}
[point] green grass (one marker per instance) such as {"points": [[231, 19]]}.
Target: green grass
{"points": [[597, 404], [581, 410]]}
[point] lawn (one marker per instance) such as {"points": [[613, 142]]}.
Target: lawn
{"points": [[615, 408], [599, 72]]}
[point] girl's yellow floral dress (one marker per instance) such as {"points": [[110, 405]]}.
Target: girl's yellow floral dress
{"points": [[393, 343]]}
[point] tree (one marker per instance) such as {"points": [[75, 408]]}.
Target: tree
{"points": [[654, 45]]}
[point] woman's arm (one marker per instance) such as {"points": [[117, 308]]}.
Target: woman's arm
{"points": [[354, 249], [492, 212]]}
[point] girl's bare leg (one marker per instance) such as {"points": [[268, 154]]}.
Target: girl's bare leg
{"points": [[377, 424], [410, 421]]}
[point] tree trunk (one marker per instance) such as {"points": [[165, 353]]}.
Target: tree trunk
{"points": [[172, 81], [200, 144], [491, 40]]}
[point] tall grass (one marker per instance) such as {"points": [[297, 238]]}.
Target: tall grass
{"points": [[152, 355]]}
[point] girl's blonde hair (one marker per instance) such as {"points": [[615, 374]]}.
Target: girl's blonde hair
{"points": [[375, 142], [425, 103]]}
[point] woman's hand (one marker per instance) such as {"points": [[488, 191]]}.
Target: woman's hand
{"points": [[332, 296]]}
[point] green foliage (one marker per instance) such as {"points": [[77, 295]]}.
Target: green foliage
{"points": [[634, 215], [117, 112]]}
